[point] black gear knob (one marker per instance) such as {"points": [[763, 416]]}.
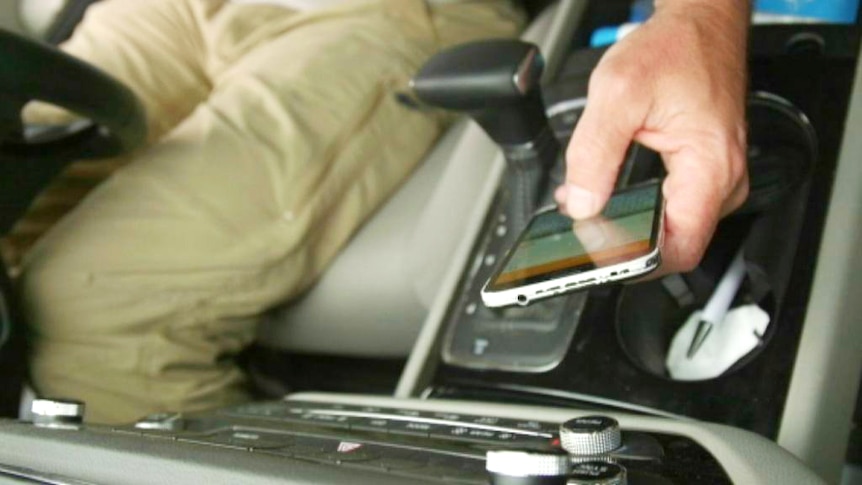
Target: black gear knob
{"points": [[496, 82]]}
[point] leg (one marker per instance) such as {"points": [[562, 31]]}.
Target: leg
{"points": [[142, 295]]}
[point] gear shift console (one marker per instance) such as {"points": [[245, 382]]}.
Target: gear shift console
{"points": [[496, 83]]}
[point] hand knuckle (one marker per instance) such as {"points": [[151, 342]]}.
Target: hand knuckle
{"points": [[688, 262], [613, 80]]}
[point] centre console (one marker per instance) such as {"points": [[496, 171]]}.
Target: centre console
{"points": [[322, 438]]}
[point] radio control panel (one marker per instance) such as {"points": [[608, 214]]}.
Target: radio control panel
{"points": [[442, 446]]}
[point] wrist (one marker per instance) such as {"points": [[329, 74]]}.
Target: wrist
{"points": [[732, 12], [739, 5], [712, 34], [724, 19]]}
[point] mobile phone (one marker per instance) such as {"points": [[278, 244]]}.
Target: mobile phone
{"points": [[555, 254]]}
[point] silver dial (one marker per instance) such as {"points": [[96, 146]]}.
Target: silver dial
{"points": [[56, 412], [526, 463], [590, 435]]}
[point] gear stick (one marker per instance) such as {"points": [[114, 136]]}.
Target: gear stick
{"points": [[496, 82]]}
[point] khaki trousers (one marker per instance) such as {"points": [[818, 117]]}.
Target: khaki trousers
{"points": [[274, 134]]}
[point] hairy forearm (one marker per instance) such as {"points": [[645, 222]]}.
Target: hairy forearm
{"points": [[734, 15], [721, 26], [741, 6]]}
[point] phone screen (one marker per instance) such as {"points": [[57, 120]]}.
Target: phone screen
{"points": [[550, 246]]}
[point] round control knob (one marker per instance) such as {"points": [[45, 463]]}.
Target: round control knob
{"points": [[597, 473], [590, 435], [57, 412], [528, 467]]}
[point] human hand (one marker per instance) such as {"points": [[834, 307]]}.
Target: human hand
{"points": [[605, 241], [676, 85]]}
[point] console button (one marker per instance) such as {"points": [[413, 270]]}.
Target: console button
{"points": [[57, 413], [479, 435], [452, 432], [452, 417], [250, 440], [535, 426], [272, 409], [597, 473], [550, 466], [408, 413], [162, 422], [350, 453], [370, 424], [415, 428], [328, 420], [486, 420]]}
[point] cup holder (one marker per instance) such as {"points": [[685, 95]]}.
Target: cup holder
{"points": [[648, 315], [783, 149]]}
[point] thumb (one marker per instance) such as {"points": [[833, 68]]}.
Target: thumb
{"points": [[597, 150]]}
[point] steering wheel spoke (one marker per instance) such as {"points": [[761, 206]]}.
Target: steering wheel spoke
{"points": [[29, 157]]}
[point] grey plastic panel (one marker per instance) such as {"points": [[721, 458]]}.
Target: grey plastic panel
{"points": [[820, 402], [108, 457], [116, 459], [10, 480], [11, 474]]}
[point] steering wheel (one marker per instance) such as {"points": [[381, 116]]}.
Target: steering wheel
{"points": [[34, 71]]}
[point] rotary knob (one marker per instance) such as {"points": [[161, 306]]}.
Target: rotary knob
{"points": [[57, 413], [597, 473], [528, 467], [590, 435]]}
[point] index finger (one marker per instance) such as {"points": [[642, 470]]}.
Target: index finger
{"points": [[599, 143]]}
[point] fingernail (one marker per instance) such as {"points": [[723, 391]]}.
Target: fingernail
{"points": [[580, 202], [591, 235]]}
